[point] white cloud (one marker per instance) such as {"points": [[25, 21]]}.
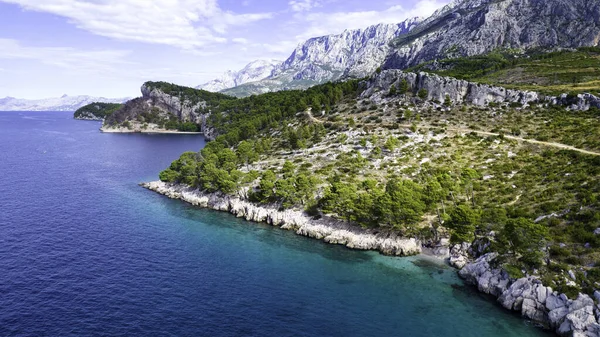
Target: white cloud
{"points": [[186, 24], [240, 40], [303, 5], [319, 24], [64, 57]]}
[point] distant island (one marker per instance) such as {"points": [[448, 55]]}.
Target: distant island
{"points": [[63, 103]]}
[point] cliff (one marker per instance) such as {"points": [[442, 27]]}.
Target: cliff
{"points": [[439, 88], [165, 107]]}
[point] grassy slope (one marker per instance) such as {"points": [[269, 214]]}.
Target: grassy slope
{"points": [[552, 73]]}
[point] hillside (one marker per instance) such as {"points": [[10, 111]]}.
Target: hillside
{"points": [[96, 111], [570, 71], [426, 157]]}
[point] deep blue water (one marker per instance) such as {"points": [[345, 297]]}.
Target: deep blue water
{"points": [[84, 251]]}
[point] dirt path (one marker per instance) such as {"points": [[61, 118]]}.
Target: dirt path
{"points": [[531, 141], [519, 139]]}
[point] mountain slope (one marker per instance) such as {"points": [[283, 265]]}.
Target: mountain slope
{"points": [[474, 27], [64, 103], [354, 53], [254, 71]]}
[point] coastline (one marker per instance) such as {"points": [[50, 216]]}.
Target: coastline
{"points": [[536, 302], [90, 119], [157, 131], [327, 229]]}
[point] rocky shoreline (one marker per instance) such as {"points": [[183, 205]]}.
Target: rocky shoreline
{"points": [[326, 229], [542, 305], [139, 130], [89, 118]]}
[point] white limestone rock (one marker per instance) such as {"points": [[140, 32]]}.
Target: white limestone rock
{"points": [[326, 229]]}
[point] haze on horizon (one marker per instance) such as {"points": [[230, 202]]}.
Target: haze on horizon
{"points": [[110, 47]]}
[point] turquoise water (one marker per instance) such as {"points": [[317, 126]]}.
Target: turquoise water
{"points": [[85, 251]]}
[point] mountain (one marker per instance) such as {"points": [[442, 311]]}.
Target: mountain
{"points": [[254, 71], [354, 53], [64, 103], [474, 27]]}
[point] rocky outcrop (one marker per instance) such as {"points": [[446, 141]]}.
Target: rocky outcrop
{"points": [[459, 255], [89, 116], [533, 300], [464, 92], [161, 106], [326, 229], [184, 110], [438, 87], [354, 53], [474, 27]]}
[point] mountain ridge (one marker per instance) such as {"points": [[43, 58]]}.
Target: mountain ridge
{"points": [[253, 71], [353, 53], [63, 103], [476, 27]]}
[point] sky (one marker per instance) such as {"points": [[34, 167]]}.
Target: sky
{"points": [[110, 47]]}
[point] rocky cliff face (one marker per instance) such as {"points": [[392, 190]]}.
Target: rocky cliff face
{"points": [[254, 71], [568, 317], [354, 53], [160, 104], [184, 110], [326, 229], [473, 27], [463, 92]]}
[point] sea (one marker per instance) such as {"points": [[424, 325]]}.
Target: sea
{"points": [[85, 251]]}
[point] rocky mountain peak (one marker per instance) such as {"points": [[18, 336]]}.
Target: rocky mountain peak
{"points": [[473, 27], [253, 71], [353, 53]]}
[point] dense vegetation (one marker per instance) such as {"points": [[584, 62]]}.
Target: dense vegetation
{"points": [[553, 73], [194, 96], [429, 170], [100, 110]]}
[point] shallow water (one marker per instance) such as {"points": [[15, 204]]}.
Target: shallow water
{"points": [[85, 251]]}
